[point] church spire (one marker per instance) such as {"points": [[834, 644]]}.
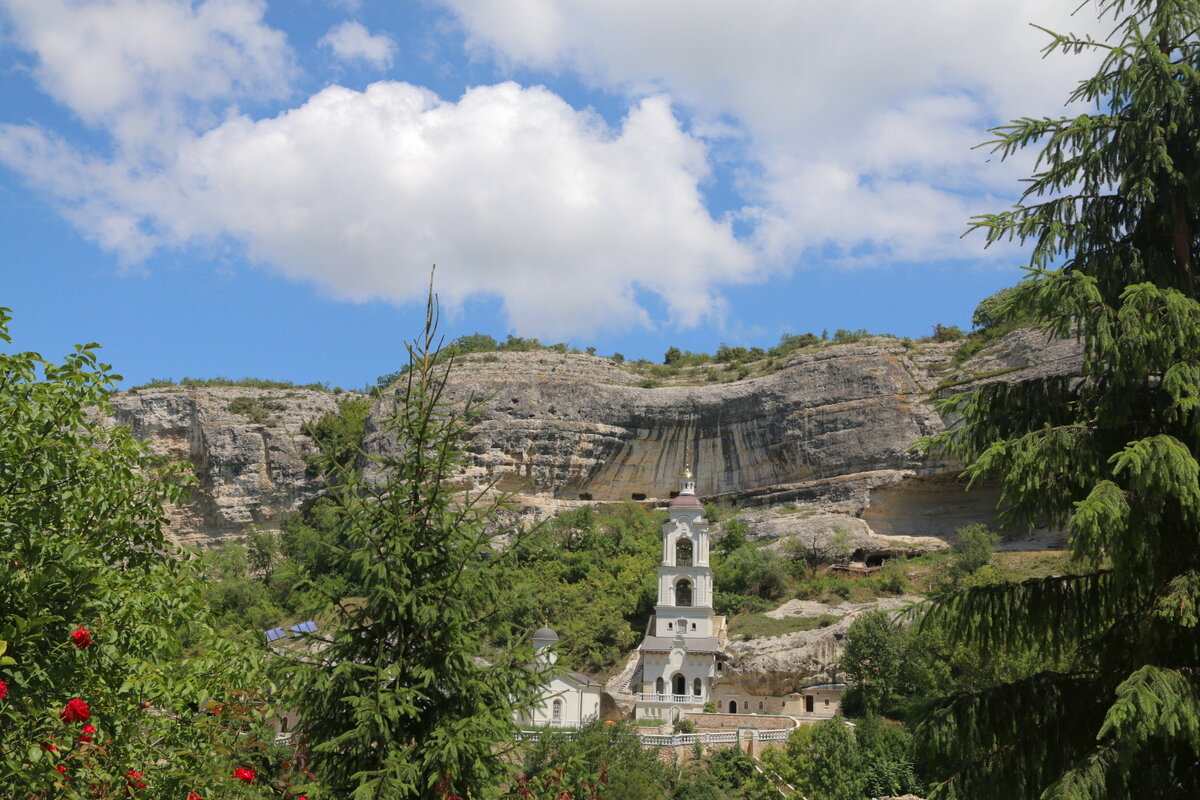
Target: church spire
{"points": [[687, 481]]}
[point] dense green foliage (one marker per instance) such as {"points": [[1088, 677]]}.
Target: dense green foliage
{"points": [[872, 660], [95, 609], [829, 761], [591, 577], [221, 382], [339, 435], [418, 679], [1110, 455], [570, 759], [606, 761]]}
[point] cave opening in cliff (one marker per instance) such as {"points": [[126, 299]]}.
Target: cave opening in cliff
{"points": [[585, 495], [638, 496]]}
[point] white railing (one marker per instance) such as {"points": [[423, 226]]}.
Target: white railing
{"points": [[677, 699], [671, 739]]}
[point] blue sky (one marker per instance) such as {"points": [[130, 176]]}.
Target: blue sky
{"points": [[250, 187]]}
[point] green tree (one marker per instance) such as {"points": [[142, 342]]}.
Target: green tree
{"points": [[673, 356], [97, 608], [822, 761], [1109, 454], [570, 760], [751, 571], [873, 659], [339, 434], [734, 536], [411, 690]]}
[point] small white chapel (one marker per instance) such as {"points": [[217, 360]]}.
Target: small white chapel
{"points": [[569, 699]]}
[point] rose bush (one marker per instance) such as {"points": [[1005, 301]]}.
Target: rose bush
{"points": [[82, 549]]}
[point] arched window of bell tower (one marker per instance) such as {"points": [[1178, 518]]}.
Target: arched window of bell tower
{"points": [[683, 593], [678, 684], [683, 553]]}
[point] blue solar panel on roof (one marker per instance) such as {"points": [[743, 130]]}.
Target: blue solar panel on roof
{"points": [[275, 633], [304, 627]]}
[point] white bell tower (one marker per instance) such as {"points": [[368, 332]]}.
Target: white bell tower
{"points": [[678, 662], [685, 586]]}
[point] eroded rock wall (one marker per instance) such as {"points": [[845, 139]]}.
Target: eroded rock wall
{"points": [[246, 447], [831, 432]]}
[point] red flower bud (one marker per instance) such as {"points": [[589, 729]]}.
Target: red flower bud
{"points": [[3, 690], [62, 770], [134, 779], [194, 796], [86, 735], [244, 775], [76, 710], [82, 637]]}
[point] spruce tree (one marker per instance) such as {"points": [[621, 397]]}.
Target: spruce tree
{"points": [[413, 692], [1109, 454]]}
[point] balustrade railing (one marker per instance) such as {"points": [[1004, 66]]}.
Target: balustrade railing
{"points": [[677, 699]]}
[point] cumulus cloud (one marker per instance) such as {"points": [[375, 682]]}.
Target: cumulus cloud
{"points": [[861, 115], [351, 41], [142, 68], [510, 191]]}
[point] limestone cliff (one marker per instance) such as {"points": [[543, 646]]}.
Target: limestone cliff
{"points": [[828, 433], [246, 447], [831, 431]]}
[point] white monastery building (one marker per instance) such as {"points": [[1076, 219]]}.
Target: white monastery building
{"points": [[679, 662], [569, 699]]}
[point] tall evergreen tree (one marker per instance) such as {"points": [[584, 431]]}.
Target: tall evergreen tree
{"points": [[1109, 454], [410, 697]]}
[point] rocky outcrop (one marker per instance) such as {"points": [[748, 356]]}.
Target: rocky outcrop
{"points": [[777, 665], [829, 433], [246, 447]]}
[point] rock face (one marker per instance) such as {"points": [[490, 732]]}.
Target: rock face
{"points": [[830, 433], [778, 665], [245, 445]]}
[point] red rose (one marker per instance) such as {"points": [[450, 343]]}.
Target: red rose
{"points": [[245, 775], [86, 735], [62, 770], [76, 710], [134, 779], [50, 747], [194, 796], [82, 637], [3, 690]]}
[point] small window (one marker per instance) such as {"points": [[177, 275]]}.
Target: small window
{"points": [[827, 702], [659, 686], [760, 707], [670, 626], [696, 687], [720, 667], [693, 626], [556, 714]]}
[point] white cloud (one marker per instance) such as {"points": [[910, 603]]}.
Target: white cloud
{"points": [[510, 191], [351, 41], [861, 115], [142, 68]]}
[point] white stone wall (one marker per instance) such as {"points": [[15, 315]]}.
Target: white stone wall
{"points": [[577, 705]]}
